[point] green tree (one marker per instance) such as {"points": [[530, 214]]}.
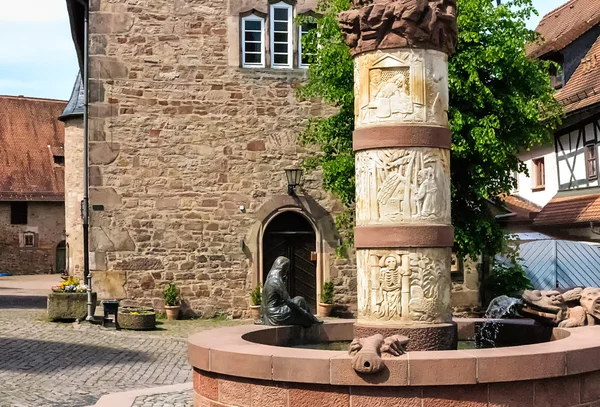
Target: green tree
{"points": [[501, 103]]}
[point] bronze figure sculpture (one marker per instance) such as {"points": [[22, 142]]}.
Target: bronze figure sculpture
{"points": [[277, 306]]}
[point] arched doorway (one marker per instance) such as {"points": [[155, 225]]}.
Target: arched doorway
{"points": [[291, 235], [61, 257]]}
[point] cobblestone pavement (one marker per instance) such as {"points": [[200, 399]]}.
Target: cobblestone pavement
{"points": [[53, 364], [181, 399]]}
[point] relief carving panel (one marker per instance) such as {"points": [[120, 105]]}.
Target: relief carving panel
{"points": [[404, 286], [408, 186], [406, 86]]}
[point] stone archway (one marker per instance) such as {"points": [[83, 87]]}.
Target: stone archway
{"points": [[319, 218], [290, 234]]}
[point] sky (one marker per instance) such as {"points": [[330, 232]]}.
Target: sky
{"points": [[37, 56]]}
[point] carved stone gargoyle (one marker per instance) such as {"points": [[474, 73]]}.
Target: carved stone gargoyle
{"points": [[574, 308], [369, 352]]}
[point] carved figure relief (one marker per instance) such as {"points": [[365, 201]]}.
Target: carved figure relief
{"points": [[404, 286], [396, 185], [375, 24], [408, 86], [389, 296]]}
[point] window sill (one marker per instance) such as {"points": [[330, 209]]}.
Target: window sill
{"points": [[538, 188]]}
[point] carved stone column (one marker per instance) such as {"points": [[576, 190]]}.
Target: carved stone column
{"points": [[402, 141]]}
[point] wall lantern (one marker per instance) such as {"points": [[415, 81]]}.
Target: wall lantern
{"points": [[293, 175]]}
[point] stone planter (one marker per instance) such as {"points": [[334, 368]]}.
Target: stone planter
{"points": [[172, 312], [324, 310], [137, 318], [255, 312], [69, 306]]}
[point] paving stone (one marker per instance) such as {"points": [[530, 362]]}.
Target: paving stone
{"points": [[180, 399], [46, 364]]}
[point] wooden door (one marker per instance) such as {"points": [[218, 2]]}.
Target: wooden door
{"points": [[61, 257], [292, 236]]}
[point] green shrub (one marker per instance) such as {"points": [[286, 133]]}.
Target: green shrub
{"points": [[256, 296], [507, 277], [327, 293], [170, 294]]}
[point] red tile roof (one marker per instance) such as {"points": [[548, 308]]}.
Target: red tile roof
{"points": [[583, 89], [564, 25], [570, 210], [29, 134], [524, 209]]}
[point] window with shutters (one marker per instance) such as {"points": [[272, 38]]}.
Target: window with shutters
{"points": [[591, 162]]}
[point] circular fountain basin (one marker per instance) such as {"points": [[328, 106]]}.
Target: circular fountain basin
{"points": [[250, 366]]}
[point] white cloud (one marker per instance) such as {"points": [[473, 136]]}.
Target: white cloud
{"points": [[32, 10]]}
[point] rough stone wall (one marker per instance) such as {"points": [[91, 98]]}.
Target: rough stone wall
{"points": [[47, 220], [74, 194], [181, 137]]}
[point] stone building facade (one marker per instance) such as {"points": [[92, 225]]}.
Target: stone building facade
{"points": [[191, 129], [32, 222]]}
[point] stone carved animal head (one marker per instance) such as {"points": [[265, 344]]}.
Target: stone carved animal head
{"points": [[548, 306], [590, 301], [369, 352]]}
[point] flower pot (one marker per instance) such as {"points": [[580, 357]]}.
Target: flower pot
{"points": [[137, 318], [172, 312], [69, 306], [324, 310], [255, 312]]}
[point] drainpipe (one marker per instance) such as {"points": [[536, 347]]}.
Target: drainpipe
{"points": [[85, 205]]}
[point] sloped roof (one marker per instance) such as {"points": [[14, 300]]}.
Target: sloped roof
{"points": [[30, 134], [564, 25], [583, 89], [76, 103], [524, 209], [569, 210]]}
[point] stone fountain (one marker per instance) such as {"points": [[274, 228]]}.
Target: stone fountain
{"points": [[404, 236], [403, 240]]}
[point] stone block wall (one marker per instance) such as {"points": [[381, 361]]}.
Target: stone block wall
{"points": [[47, 221], [181, 137], [74, 194]]}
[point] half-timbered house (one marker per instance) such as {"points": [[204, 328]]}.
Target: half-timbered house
{"points": [[560, 196]]}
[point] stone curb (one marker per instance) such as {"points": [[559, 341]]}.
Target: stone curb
{"points": [[127, 398]]}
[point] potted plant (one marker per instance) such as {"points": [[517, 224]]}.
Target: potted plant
{"points": [[326, 303], [171, 301], [256, 297], [68, 300]]}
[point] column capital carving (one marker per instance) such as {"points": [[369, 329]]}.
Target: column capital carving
{"points": [[385, 24]]}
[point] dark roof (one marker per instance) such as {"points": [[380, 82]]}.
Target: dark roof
{"points": [[30, 135], [570, 210], [76, 101], [583, 89], [76, 12], [523, 209], [564, 25]]}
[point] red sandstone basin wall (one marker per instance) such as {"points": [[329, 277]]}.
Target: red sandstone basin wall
{"points": [[212, 390], [230, 370]]}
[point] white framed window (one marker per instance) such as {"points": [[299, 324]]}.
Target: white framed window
{"points": [[253, 42], [303, 58], [281, 35]]}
